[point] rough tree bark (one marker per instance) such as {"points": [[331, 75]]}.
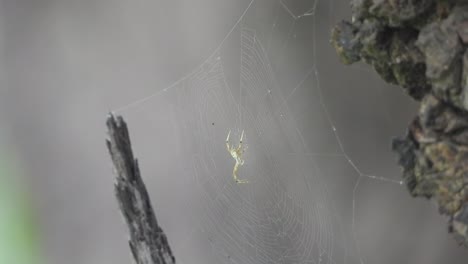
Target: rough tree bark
{"points": [[422, 46], [148, 243]]}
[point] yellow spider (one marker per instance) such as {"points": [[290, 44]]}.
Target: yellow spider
{"points": [[236, 153]]}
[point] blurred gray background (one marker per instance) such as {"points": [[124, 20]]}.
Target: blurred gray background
{"points": [[203, 68]]}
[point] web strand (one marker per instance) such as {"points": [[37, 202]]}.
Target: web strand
{"points": [[285, 214], [149, 97]]}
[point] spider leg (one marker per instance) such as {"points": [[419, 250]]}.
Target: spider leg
{"points": [[227, 141], [240, 141]]}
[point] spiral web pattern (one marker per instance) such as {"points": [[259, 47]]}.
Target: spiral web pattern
{"points": [[284, 214], [262, 221]]}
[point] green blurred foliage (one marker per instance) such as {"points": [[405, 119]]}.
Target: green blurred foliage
{"points": [[18, 236]]}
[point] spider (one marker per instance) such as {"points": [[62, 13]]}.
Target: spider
{"points": [[236, 153]]}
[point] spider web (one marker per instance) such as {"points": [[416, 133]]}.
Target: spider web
{"points": [[252, 82]]}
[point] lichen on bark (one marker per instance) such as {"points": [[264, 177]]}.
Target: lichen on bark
{"points": [[421, 45]]}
